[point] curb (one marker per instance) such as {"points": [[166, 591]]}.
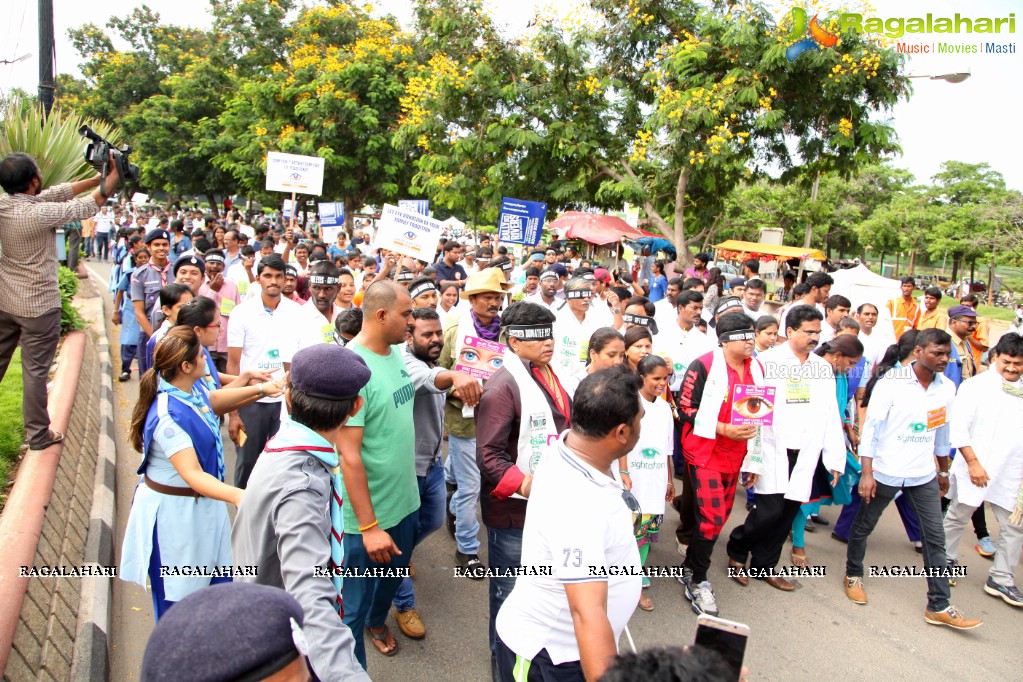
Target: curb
{"points": [[22, 522], [90, 659]]}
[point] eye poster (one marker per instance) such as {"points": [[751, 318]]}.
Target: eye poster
{"points": [[753, 405]]}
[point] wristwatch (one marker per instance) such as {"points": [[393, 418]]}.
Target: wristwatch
{"points": [[943, 474]]}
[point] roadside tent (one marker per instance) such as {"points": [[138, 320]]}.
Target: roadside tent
{"points": [[861, 285]]}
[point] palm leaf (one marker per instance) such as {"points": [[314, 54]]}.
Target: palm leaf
{"points": [[53, 141]]}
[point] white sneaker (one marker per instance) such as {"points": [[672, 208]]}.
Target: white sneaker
{"points": [[701, 597]]}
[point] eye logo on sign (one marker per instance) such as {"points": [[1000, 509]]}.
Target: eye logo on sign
{"points": [[410, 235], [918, 427], [296, 176]]}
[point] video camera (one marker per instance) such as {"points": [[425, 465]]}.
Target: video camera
{"points": [[97, 155]]}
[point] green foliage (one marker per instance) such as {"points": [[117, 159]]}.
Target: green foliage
{"points": [[12, 422], [53, 141], [70, 318]]}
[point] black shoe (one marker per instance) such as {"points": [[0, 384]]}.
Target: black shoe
{"points": [[125, 376], [750, 506], [818, 519], [811, 527], [471, 565]]}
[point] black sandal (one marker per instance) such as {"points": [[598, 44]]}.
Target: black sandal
{"points": [[52, 438]]}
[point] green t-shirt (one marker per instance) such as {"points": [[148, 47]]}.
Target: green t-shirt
{"points": [[388, 440]]}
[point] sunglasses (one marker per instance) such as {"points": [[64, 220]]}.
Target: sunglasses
{"points": [[633, 504]]}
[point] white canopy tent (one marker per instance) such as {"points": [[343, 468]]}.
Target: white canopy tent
{"points": [[860, 285]]}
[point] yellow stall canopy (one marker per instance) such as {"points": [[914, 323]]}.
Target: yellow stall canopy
{"points": [[734, 249]]}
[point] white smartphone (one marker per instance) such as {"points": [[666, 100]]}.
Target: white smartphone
{"points": [[726, 637]]}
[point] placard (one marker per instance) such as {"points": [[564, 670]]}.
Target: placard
{"points": [[332, 220], [479, 358], [521, 222], [421, 206], [294, 173], [286, 213], [408, 233], [753, 405]]}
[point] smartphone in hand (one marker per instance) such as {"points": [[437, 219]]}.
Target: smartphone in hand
{"points": [[726, 637]]}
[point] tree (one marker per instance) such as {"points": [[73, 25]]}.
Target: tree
{"points": [[336, 95]]}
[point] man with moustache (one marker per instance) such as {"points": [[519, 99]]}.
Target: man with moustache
{"points": [[546, 294], [422, 350], [263, 336], [317, 316]]}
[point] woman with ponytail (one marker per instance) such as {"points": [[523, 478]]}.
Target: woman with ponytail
{"points": [[179, 517]]}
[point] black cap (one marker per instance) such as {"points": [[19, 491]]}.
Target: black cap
{"points": [[233, 631], [329, 372], [157, 233], [190, 260]]}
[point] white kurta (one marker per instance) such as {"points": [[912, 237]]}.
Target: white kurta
{"points": [[819, 424], [987, 419], [682, 347], [648, 461], [572, 340]]}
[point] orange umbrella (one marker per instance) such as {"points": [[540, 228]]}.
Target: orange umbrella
{"points": [[595, 228]]}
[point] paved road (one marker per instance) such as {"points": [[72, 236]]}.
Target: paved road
{"points": [[814, 632]]}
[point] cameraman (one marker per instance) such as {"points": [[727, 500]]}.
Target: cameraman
{"points": [[29, 297]]}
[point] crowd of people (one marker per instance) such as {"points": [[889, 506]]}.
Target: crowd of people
{"points": [[575, 400]]}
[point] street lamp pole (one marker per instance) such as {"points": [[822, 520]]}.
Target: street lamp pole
{"points": [[16, 59], [955, 77], [46, 49]]}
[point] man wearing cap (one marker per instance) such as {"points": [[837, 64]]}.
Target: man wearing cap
{"points": [[317, 316], [424, 346], [270, 647], [378, 465], [448, 269], [29, 296], [485, 292], [146, 283], [190, 271], [547, 290], [576, 321], [225, 294], [263, 336], [523, 410], [965, 360], [291, 523]]}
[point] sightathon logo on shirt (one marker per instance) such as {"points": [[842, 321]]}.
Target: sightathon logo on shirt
{"points": [[272, 361]]}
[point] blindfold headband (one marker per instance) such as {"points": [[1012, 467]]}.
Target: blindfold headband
{"points": [[405, 276], [728, 304], [578, 293], [424, 288], [742, 335], [549, 274], [214, 258], [290, 271], [324, 280], [641, 321], [530, 332], [507, 267]]}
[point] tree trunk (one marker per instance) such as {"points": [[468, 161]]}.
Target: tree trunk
{"points": [[955, 268], [991, 275], [973, 267], [881, 265], [813, 200], [211, 199], [898, 260], [685, 258], [912, 262]]}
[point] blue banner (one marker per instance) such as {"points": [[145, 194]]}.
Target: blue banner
{"points": [[421, 206], [332, 214], [520, 222]]}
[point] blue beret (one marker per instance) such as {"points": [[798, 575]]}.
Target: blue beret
{"points": [[190, 260], [559, 268], [157, 233], [961, 311], [329, 371], [225, 632]]}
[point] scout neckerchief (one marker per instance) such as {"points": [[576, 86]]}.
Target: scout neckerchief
{"points": [[295, 437], [198, 402]]}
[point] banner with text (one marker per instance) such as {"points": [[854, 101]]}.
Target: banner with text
{"points": [[408, 233], [332, 220], [294, 173], [416, 205], [520, 222]]}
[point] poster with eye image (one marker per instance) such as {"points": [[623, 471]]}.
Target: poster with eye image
{"points": [[479, 358], [753, 405]]}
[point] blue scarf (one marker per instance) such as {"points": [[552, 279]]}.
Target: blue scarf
{"points": [[198, 400], [295, 437]]}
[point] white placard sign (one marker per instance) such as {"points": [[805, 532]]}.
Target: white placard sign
{"points": [[294, 173], [408, 233]]}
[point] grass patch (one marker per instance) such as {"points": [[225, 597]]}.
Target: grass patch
{"points": [[12, 422]]}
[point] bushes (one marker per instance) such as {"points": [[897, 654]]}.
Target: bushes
{"points": [[70, 318]]}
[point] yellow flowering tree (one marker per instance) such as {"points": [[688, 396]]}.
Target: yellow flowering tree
{"points": [[335, 95]]}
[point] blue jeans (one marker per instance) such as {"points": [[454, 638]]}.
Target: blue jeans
{"points": [[845, 520], [504, 549], [367, 600], [462, 462], [431, 517], [102, 245]]}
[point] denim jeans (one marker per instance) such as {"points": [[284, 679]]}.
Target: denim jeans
{"points": [[462, 461], [504, 549], [926, 502], [367, 600], [431, 517], [102, 245]]}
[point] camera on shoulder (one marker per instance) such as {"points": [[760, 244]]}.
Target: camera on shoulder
{"points": [[97, 155]]}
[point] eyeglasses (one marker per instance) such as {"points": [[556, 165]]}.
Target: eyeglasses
{"points": [[218, 325], [633, 504]]}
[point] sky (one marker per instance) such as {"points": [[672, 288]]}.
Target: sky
{"points": [[974, 121]]}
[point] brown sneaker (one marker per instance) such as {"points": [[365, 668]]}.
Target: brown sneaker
{"points": [[410, 624], [854, 590], [952, 618]]}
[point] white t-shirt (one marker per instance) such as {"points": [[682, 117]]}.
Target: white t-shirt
{"points": [[313, 327], [578, 524], [648, 461], [104, 222], [268, 340]]}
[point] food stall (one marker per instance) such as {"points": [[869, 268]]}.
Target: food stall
{"points": [[770, 257]]}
